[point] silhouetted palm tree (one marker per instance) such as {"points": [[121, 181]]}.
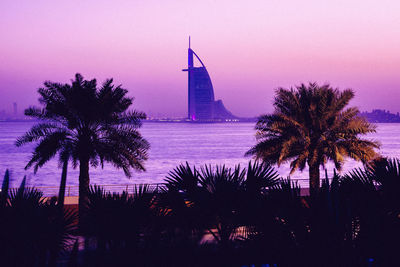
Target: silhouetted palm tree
{"points": [[310, 126], [87, 125]]}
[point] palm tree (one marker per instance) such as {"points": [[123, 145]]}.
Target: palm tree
{"points": [[87, 126], [310, 126]]}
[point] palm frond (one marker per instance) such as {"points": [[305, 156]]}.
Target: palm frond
{"points": [[259, 176], [4, 189], [131, 117], [37, 132], [182, 178], [46, 149]]}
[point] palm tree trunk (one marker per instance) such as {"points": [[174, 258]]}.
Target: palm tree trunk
{"points": [[61, 193], [83, 186], [314, 179]]}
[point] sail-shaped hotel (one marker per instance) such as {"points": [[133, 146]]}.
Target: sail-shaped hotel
{"points": [[201, 103]]}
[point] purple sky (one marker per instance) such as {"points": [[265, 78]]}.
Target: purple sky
{"points": [[249, 47]]}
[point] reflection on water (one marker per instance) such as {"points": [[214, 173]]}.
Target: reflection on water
{"points": [[171, 144]]}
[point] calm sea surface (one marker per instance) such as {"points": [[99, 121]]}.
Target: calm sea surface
{"points": [[171, 144]]}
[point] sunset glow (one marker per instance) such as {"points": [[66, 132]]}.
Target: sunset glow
{"points": [[249, 48]]}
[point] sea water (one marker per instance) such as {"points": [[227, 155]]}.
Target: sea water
{"points": [[171, 144]]}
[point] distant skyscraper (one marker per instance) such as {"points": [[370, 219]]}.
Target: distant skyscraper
{"points": [[201, 103], [15, 109]]}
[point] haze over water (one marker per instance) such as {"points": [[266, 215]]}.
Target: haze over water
{"points": [[171, 144]]}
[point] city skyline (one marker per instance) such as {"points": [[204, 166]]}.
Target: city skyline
{"points": [[251, 49]]}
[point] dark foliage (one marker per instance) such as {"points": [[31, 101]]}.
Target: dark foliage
{"points": [[33, 231], [235, 217], [219, 216]]}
